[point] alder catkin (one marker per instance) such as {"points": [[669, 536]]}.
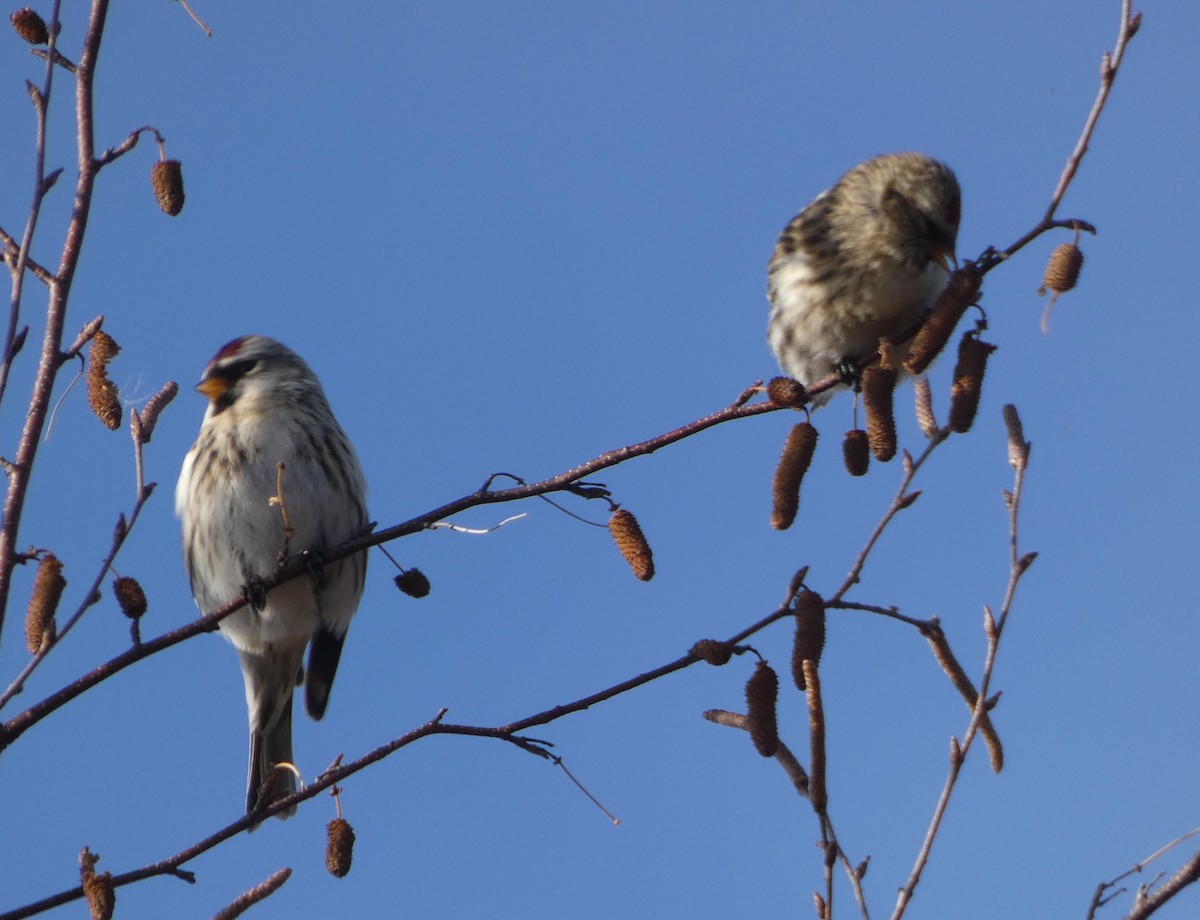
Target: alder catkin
{"points": [[924, 407], [166, 178], [784, 391], [714, 652], [339, 847], [130, 596], [97, 889], [856, 452], [968, 381], [810, 634], [101, 896], [932, 337], [789, 473], [762, 692], [1062, 268], [878, 386], [412, 582], [30, 26], [48, 585], [632, 543], [103, 395]]}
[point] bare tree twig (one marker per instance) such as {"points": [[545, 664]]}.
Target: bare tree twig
{"points": [[121, 530], [41, 102], [259, 892], [60, 286], [783, 754], [1109, 65], [295, 568], [993, 630], [899, 503], [1106, 891], [1188, 874]]}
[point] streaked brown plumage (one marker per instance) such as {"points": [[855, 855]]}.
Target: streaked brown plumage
{"points": [[864, 260]]}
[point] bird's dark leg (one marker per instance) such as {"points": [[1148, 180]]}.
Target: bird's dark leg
{"points": [[254, 592], [314, 563], [847, 369]]}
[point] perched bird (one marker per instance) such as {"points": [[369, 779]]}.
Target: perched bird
{"points": [[864, 260], [267, 408]]}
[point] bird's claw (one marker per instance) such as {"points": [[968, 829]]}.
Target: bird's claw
{"points": [[847, 370], [254, 592], [314, 564]]}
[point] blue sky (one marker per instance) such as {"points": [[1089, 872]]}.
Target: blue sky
{"points": [[509, 237]]}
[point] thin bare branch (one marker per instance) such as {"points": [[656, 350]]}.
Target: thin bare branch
{"points": [[1110, 63], [297, 567], [993, 629], [60, 287], [259, 892]]}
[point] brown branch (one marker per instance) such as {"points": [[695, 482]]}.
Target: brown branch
{"points": [[1110, 63], [143, 491], [898, 504], [1106, 891], [60, 287], [12, 250], [993, 630], [41, 102], [946, 658], [15, 727], [796, 773], [259, 892], [783, 754], [113, 153], [1188, 874]]}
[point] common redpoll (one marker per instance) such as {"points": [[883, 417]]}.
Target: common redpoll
{"points": [[242, 513], [864, 260]]}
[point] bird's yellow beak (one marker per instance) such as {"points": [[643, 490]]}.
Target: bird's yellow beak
{"points": [[213, 387], [945, 257]]}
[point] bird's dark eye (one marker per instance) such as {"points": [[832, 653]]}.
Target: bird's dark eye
{"points": [[954, 211], [236, 370]]}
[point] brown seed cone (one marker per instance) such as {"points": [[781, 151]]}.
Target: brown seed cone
{"points": [[817, 794], [103, 349], [878, 385], [968, 381], [784, 391], [924, 407], [103, 395], [1062, 269], [632, 543], [105, 400], [856, 452], [793, 464], [710, 650], [166, 178], [810, 634], [339, 847], [30, 26], [101, 896], [48, 585], [130, 596], [932, 337], [414, 583], [762, 691]]}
